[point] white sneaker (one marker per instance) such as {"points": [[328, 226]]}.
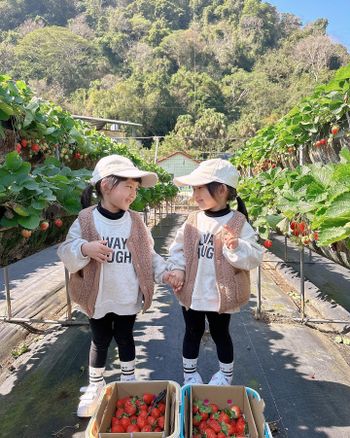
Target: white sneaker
{"points": [[193, 379], [219, 379], [88, 401]]}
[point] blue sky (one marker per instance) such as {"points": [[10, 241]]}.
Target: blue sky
{"points": [[336, 11]]}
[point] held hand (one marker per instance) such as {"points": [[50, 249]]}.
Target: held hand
{"points": [[97, 250], [175, 279], [229, 238]]}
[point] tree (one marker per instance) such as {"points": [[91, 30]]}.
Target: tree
{"points": [[196, 91], [317, 52], [59, 56]]}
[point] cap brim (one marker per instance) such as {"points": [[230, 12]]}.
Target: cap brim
{"points": [[148, 179], [191, 180]]}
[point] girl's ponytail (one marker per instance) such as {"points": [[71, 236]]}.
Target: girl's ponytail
{"points": [[86, 196], [241, 207]]}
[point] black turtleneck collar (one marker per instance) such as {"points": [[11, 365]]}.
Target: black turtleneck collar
{"points": [[218, 213], [108, 214]]}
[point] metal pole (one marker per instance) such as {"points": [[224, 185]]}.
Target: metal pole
{"points": [[8, 292], [310, 255], [156, 139], [258, 285], [69, 303], [301, 155], [302, 283]]}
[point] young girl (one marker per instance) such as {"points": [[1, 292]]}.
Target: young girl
{"points": [[109, 252], [216, 247]]}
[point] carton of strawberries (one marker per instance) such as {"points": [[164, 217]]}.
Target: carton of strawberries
{"points": [[218, 412]]}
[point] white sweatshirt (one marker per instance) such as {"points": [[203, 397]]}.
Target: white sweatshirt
{"points": [[119, 290], [246, 256]]}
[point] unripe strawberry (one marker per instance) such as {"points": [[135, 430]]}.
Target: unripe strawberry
{"points": [[335, 129], [44, 226], [26, 233]]}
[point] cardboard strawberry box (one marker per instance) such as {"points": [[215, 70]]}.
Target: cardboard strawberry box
{"points": [[100, 424], [224, 397]]}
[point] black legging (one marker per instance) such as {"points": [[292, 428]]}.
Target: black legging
{"points": [[119, 327], [219, 329]]}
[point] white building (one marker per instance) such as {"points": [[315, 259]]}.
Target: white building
{"points": [[178, 164]]}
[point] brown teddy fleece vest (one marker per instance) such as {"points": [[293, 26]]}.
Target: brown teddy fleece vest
{"points": [[233, 284], [84, 284]]}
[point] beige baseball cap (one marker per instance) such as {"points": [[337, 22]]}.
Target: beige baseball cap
{"points": [[208, 171], [121, 166]]}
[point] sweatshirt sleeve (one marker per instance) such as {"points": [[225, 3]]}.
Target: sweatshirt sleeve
{"points": [[248, 254], [70, 250], [176, 258], [160, 266]]}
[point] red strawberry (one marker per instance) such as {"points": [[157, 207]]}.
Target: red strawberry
{"points": [[117, 428], [160, 422], [125, 422], [58, 223], [209, 433], [236, 411], [132, 428], [129, 406], [267, 243], [147, 428], [24, 143], [77, 155], [315, 235], [18, 148], [148, 398], [223, 417], [240, 425], [215, 425], [35, 148], [141, 422], [155, 412]]}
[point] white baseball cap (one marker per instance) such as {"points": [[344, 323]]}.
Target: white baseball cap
{"points": [[121, 166], [208, 171]]}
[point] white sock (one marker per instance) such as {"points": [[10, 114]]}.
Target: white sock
{"points": [[96, 375], [190, 366], [128, 370], [227, 370]]}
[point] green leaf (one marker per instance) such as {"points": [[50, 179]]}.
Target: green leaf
{"points": [[329, 235], [13, 161], [340, 207], [30, 222], [20, 210]]}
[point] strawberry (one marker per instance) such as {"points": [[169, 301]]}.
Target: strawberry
{"points": [[315, 235], [147, 428], [141, 422], [24, 143], [44, 226], [125, 422], [240, 425], [160, 422], [161, 407], [148, 398], [58, 223], [18, 148], [293, 225], [77, 155], [35, 148], [132, 428], [301, 227], [215, 425], [129, 406], [26, 233], [209, 433], [236, 411], [213, 408], [151, 420], [335, 129], [157, 429], [224, 418], [117, 428], [267, 243], [155, 412]]}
